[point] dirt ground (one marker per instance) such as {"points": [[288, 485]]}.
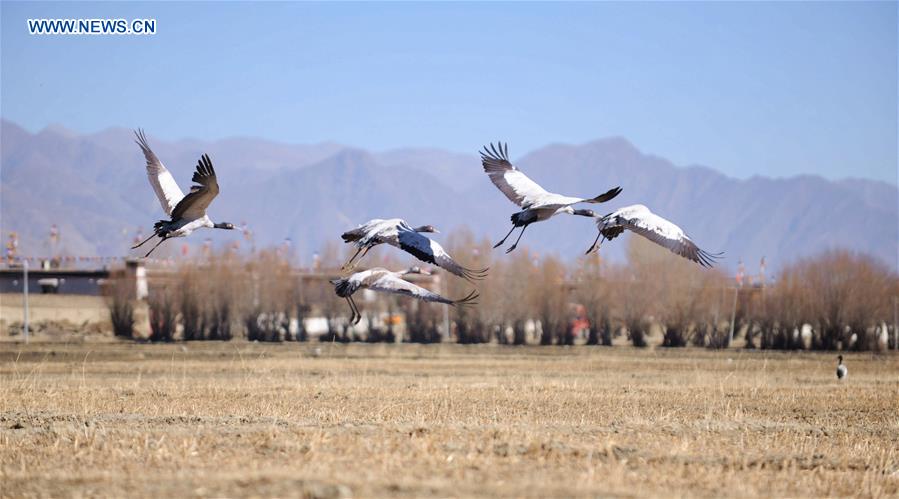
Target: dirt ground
{"points": [[309, 420]]}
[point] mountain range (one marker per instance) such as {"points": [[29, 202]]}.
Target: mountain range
{"points": [[93, 187]]}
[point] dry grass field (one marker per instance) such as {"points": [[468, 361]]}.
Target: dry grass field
{"points": [[240, 419]]}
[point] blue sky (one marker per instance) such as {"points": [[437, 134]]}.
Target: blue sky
{"points": [[773, 89]]}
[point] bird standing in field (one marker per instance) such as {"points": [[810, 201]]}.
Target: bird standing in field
{"points": [[638, 219], [187, 213], [396, 232], [383, 280], [538, 204], [841, 369]]}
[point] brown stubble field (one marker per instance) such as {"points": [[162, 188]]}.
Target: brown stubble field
{"points": [[241, 419]]}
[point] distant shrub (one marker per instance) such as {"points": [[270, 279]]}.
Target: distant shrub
{"points": [[163, 315], [119, 299]]}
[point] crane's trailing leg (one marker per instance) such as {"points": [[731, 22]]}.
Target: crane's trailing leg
{"points": [[350, 263], [143, 243], [595, 245], [497, 245], [157, 245], [356, 315], [352, 310], [519, 239]]}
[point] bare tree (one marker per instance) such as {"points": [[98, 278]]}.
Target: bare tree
{"points": [[843, 296], [190, 279], [593, 293], [549, 301], [472, 325], [163, 314], [514, 303], [119, 295]]}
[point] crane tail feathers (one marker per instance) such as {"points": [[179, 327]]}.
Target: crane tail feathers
{"points": [[162, 228], [341, 287], [352, 236]]}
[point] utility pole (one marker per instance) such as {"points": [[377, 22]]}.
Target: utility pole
{"points": [[733, 317], [718, 305], [25, 298], [446, 324]]}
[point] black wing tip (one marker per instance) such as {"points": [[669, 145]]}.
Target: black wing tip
{"points": [[207, 160], [708, 260], [204, 168], [469, 300], [608, 195], [497, 152], [142, 139], [474, 274]]}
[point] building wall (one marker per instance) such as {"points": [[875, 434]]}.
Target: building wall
{"points": [[73, 308], [70, 282]]}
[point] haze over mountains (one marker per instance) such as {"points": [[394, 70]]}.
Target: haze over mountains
{"points": [[95, 189]]}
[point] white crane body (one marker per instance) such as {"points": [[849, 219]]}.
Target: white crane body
{"points": [[640, 220], [538, 204], [384, 281], [399, 234], [187, 213]]}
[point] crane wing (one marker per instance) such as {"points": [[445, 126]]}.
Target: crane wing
{"points": [[430, 251], [194, 205], [666, 234], [391, 283], [517, 186], [557, 201], [523, 191], [346, 286], [161, 179], [363, 233]]}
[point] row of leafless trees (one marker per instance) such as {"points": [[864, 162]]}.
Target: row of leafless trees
{"points": [[836, 300]]}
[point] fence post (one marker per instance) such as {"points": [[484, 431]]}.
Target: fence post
{"points": [[25, 298]]}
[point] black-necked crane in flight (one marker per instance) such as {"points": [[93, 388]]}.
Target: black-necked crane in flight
{"points": [[537, 204], [385, 281], [638, 219], [186, 213], [396, 232]]}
